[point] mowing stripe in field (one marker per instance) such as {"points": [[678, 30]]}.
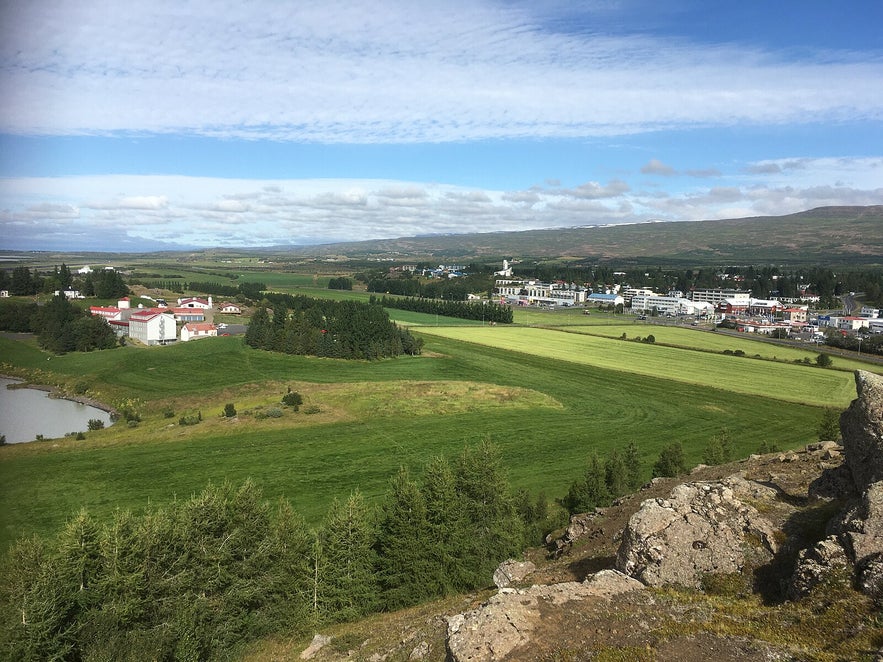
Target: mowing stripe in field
{"points": [[780, 381]]}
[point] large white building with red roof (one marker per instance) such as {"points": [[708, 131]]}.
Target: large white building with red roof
{"points": [[153, 326], [196, 330]]}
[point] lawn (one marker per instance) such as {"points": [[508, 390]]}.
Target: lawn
{"points": [[771, 379], [545, 413]]}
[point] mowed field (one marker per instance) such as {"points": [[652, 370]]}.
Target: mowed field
{"points": [[547, 398]]}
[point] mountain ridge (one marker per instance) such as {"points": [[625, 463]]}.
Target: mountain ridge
{"points": [[823, 234]]}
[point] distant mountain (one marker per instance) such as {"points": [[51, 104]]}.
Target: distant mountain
{"points": [[824, 235]]}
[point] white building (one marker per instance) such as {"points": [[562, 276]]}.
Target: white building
{"points": [[867, 311], [670, 305], [196, 330], [152, 326], [536, 292], [717, 295]]}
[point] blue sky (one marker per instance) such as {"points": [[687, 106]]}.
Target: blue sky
{"points": [[149, 125]]}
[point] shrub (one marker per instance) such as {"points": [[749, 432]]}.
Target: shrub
{"points": [[273, 412], [95, 424], [292, 399], [80, 436], [823, 361], [312, 409], [190, 419], [229, 410], [671, 462], [169, 413]]}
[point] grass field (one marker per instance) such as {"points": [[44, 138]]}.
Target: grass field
{"points": [[545, 413]]}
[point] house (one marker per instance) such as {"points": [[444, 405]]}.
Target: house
{"points": [[191, 302], [109, 313], [188, 314], [153, 326], [231, 308], [795, 315], [195, 330], [612, 299]]}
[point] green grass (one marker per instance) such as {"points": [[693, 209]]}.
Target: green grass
{"points": [[573, 408], [779, 381]]}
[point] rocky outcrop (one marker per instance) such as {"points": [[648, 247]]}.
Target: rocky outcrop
{"points": [[857, 534], [511, 571], [508, 620], [700, 528], [861, 427]]}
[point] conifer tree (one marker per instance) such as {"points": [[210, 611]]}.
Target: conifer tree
{"points": [[405, 566], [347, 584], [616, 474], [632, 461], [447, 527], [495, 530]]}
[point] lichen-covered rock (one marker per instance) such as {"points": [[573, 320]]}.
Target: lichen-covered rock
{"points": [[507, 620], [701, 528], [512, 571], [861, 427], [816, 564]]}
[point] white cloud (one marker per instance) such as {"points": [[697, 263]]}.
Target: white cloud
{"points": [[657, 167], [204, 211], [391, 71]]}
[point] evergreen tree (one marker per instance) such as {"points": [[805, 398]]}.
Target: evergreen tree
{"points": [[447, 527], [591, 491], [671, 461], [404, 562], [495, 530], [347, 584], [720, 449], [616, 476], [829, 425], [632, 461]]}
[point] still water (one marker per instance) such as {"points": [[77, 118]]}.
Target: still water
{"points": [[26, 412]]}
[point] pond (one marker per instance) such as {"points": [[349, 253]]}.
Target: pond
{"points": [[26, 413]]}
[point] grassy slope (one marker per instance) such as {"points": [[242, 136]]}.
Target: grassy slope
{"points": [[311, 462], [780, 381]]}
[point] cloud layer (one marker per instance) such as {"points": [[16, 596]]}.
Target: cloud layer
{"points": [[75, 213], [392, 71]]}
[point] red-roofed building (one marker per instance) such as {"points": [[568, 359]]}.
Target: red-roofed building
{"points": [[153, 326], [195, 330], [189, 314], [231, 308], [192, 302]]}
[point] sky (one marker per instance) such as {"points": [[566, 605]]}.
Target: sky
{"points": [[135, 126]]}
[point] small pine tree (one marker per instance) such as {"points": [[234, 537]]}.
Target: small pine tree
{"points": [[229, 410], [633, 465], [829, 425], [671, 461], [616, 474], [824, 361]]}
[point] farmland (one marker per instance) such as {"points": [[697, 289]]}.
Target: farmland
{"points": [[545, 397]]}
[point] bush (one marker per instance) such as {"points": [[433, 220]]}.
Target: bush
{"points": [[273, 412], [292, 399], [95, 424], [190, 419], [80, 436], [312, 409], [229, 410], [823, 361], [671, 462]]}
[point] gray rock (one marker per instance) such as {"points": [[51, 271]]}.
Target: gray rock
{"points": [[833, 483], [317, 644], [420, 652], [701, 528], [862, 429], [506, 621], [512, 571], [816, 564]]}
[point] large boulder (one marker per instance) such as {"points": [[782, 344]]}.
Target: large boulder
{"points": [[700, 528], [862, 429], [509, 619]]}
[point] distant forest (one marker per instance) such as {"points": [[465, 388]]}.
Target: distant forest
{"points": [[335, 329]]}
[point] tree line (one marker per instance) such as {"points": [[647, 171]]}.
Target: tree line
{"points": [[197, 578], [104, 284], [60, 326], [487, 311], [335, 329]]}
